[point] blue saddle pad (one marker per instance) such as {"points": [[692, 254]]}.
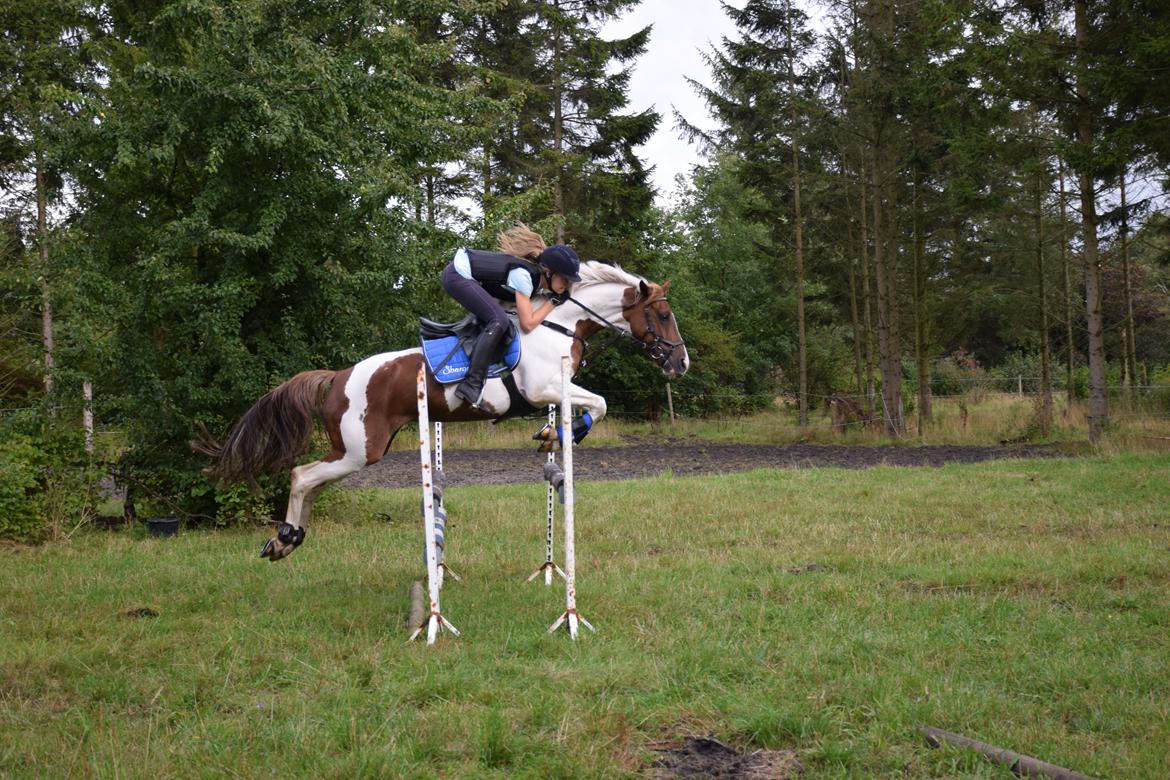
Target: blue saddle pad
{"points": [[448, 349]]}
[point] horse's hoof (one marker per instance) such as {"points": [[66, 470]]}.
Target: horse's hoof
{"points": [[547, 446], [274, 550], [548, 433]]}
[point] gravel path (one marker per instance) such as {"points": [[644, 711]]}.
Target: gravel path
{"points": [[642, 459]]}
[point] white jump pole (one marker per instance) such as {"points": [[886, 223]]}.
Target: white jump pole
{"points": [[548, 567], [434, 621], [571, 616]]}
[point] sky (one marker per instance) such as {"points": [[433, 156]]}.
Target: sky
{"points": [[682, 30]]}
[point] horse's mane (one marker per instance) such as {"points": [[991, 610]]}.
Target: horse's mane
{"points": [[597, 272]]}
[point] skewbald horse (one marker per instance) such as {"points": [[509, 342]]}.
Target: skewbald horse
{"points": [[364, 406]]}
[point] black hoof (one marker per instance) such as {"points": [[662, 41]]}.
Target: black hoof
{"points": [[269, 546]]}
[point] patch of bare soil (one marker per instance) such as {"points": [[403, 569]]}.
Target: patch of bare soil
{"points": [[681, 458], [707, 757]]}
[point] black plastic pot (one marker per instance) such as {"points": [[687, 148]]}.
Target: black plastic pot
{"points": [[163, 526]]}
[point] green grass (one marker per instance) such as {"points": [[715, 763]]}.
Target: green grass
{"points": [[1025, 604]]}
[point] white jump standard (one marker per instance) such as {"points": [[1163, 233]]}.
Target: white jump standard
{"points": [[434, 620], [570, 615], [554, 476]]}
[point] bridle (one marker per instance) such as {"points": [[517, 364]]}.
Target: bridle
{"points": [[657, 348]]}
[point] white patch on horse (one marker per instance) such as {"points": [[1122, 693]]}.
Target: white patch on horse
{"points": [[353, 427]]}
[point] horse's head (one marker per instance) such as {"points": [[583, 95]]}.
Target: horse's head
{"points": [[616, 299], [647, 310]]}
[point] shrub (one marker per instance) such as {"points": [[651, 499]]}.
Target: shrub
{"points": [[21, 502], [47, 479], [957, 374]]}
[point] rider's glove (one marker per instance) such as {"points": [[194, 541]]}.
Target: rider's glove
{"points": [[559, 298]]}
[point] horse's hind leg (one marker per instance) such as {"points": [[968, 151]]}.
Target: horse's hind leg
{"points": [[307, 482]]}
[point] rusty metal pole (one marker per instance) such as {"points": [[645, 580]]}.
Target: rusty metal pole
{"points": [[434, 620]]}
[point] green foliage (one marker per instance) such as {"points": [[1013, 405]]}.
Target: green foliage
{"points": [[47, 480], [245, 203], [957, 374], [21, 505]]}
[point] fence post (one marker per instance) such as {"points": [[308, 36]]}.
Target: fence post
{"points": [[670, 403]]}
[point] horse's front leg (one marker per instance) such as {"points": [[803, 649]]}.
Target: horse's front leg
{"points": [[593, 411]]}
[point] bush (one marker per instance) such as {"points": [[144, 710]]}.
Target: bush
{"points": [[957, 374], [47, 479], [21, 504]]}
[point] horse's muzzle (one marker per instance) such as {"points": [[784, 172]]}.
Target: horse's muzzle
{"points": [[676, 364]]}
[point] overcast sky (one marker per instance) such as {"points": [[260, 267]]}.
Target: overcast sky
{"points": [[682, 29]]}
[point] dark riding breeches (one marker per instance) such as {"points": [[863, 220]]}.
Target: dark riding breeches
{"points": [[473, 297]]}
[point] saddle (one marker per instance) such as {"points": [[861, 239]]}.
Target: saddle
{"points": [[447, 348]]}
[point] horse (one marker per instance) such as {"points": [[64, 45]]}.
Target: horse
{"points": [[362, 407]]}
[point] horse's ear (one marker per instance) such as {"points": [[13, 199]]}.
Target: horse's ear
{"points": [[643, 290], [665, 288]]}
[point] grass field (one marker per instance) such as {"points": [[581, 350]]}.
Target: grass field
{"points": [[1026, 604]]}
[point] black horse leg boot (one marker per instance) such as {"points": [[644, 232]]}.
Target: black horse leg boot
{"points": [[471, 388]]}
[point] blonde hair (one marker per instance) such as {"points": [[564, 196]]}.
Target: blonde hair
{"points": [[521, 241]]}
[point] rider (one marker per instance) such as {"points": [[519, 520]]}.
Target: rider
{"points": [[480, 280]]}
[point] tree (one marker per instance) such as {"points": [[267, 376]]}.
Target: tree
{"points": [[763, 106], [247, 196], [565, 159], [46, 71]]}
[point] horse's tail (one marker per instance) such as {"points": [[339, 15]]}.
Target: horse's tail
{"points": [[273, 433]]}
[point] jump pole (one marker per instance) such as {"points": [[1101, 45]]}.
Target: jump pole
{"points": [[434, 621], [570, 615], [548, 567]]}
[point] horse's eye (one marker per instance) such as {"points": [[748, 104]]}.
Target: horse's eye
{"points": [[663, 316]]}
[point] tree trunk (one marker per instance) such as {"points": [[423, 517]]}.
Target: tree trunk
{"points": [[487, 178], [1070, 390], [801, 336], [887, 310], [1130, 341], [920, 312], [43, 272], [1044, 411], [558, 126], [1098, 407], [867, 298], [858, 370]]}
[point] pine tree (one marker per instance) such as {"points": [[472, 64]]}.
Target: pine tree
{"points": [[566, 156]]}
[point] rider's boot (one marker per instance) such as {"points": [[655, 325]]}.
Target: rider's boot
{"points": [[471, 388]]}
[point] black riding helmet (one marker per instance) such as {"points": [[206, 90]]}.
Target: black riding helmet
{"points": [[561, 259]]}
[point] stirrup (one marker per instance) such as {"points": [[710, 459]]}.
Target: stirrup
{"points": [[462, 394]]}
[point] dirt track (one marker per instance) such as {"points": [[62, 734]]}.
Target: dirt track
{"points": [[647, 459]]}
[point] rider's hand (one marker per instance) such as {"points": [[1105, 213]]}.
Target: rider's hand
{"points": [[559, 298]]}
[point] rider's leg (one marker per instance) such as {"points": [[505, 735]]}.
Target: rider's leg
{"points": [[491, 315], [482, 353]]}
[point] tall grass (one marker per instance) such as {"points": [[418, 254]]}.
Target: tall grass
{"points": [[1021, 603]]}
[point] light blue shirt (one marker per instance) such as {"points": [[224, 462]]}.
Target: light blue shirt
{"points": [[519, 280]]}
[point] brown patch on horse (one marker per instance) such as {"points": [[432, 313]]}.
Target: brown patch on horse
{"points": [[584, 331], [390, 401], [336, 405]]}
